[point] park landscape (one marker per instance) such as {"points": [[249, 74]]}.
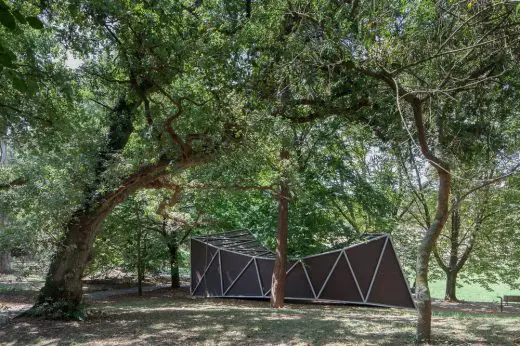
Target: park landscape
{"points": [[129, 127]]}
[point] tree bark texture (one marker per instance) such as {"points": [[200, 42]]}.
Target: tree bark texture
{"points": [[451, 286], [424, 304], [280, 263], [63, 282], [5, 262]]}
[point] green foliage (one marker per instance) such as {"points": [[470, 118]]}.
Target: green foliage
{"points": [[296, 76], [116, 247]]}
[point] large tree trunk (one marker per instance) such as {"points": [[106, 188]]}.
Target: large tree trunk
{"points": [[62, 293], [5, 262], [280, 263]]}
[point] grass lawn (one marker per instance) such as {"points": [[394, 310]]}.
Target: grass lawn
{"points": [[165, 317], [473, 293]]}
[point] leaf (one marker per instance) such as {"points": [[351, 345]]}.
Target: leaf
{"points": [[18, 83], [7, 19], [19, 17], [32, 86], [35, 23], [6, 57]]}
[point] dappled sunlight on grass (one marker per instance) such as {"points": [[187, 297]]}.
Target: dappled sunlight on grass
{"points": [[165, 318]]}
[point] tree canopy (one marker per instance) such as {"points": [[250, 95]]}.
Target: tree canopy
{"points": [[184, 117]]}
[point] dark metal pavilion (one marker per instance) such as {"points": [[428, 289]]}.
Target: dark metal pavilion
{"points": [[236, 265]]}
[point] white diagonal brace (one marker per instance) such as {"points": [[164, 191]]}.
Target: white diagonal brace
{"points": [[205, 270], [220, 271], [330, 274], [376, 270], [354, 276], [239, 275], [308, 279], [402, 272], [258, 276]]}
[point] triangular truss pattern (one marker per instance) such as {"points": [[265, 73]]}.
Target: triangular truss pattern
{"points": [[233, 265]]}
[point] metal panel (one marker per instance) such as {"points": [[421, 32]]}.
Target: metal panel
{"points": [[296, 283], [368, 273], [390, 287], [202, 282], [318, 267], [363, 259], [198, 262], [232, 265], [341, 284], [247, 283], [265, 269], [212, 283]]}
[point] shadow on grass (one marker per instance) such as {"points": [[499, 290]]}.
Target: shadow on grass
{"points": [[175, 320]]}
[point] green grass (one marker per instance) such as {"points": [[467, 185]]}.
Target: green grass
{"points": [[473, 292]]}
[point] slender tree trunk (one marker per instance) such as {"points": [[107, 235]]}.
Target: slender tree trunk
{"points": [[451, 273], [422, 291], [174, 266], [3, 152], [139, 262], [424, 305], [5, 254], [451, 286], [5, 262], [280, 263]]}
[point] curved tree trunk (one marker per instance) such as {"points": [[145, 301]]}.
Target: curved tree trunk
{"points": [[62, 292], [424, 303]]}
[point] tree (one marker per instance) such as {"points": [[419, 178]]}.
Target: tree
{"points": [[144, 54], [369, 44], [5, 254]]}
